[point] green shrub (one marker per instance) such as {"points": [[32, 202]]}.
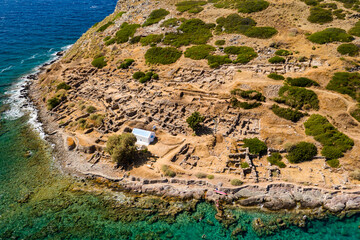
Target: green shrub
{"points": [[249, 6], [190, 6], [151, 39], [126, 63], [200, 175], [138, 75], [107, 38], [255, 146], [330, 35], [193, 31], [355, 30], [156, 16], [325, 133], [311, 2], [356, 114], [297, 97], [320, 15], [302, 152], [167, 171], [275, 76], [330, 152], [301, 82], [122, 148], [283, 52], [126, 31], [105, 26], [135, 40], [210, 176], [249, 94], [118, 15], [348, 49], [53, 102], [194, 121], [287, 113], [62, 85], [216, 61], [339, 14], [199, 52], [96, 119], [110, 41], [244, 165], [277, 59], [155, 76], [236, 182], [346, 83], [99, 62], [334, 163], [245, 54], [90, 109], [159, 55], [328, 5], [220, 42], [172, 22], [234, 24], [261, 32], [245, 105], [275, 159]]}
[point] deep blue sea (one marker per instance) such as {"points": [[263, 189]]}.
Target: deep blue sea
{"points": [[37, 201]]}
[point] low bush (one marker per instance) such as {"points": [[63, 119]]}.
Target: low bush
{"points": [[62, 85], [126, 31], [283, 52], [122, 148], [261, 32], [334, 163], [96, 120], [216, 61], [138, 75], [210, 176], [200, 175], [355, 174], [159, 55], [312, 2], [275, 159], [249, 94], [346, 83], [320, 15], [255, 146], [135, 40], [355, 30], [106, 38], [193, 31], [356, 114], [328, 5], [90, 109], [53, 102], [330, 35], [199, 52], [348, 49], [301, 82], [234, 24], [151, 39], [245, 105], [194, 121], [275, 76], [287, 113], [244, 165], [99, 62], [220, 42], [167, 171], [118, 15], [190, 6], [276, 59], [249, 6], [297, 97], [126, 63], [340, 14], [156, 16], [330, 152], [302, 152], [236, 182], [172, 22], [245, 54], [105, 26], [110, 42]]}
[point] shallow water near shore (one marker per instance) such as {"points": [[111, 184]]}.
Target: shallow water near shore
{"points": [[37, 201]]}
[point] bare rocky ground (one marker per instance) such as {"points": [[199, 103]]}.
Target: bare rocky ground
{"points": [[187, 86]]}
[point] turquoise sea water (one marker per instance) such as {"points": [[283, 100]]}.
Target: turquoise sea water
{"points": [[37, 201]]}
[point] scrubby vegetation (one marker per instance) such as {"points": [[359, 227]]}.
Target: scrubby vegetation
{"points": [[301, 82], [151, 39], [244, 165], [172, 22], [301, 152], [330, 35], [245, 54], [255, 146], [105, 26], [122, 148], [145, 77], [283, 52], [99, 62], [53, 102], [348, 49], [138, 75], [200, 175], [210, 176], [298, 97], [199, 52], [156, 16], [277, 59], [62, 85], [249, 94], [346, 83], [96, 120], [194, 121], [287, 113], [236, 182], [126, 63], [249, 6], [220, 42], [193, 31], [275, 159], [235, 103], [355, 174], [216, 61], [126, 31], [90, 109], [355, 30], [356, 113], [261, 32], [159, 55], [334, 142], [190, 6], [320, 15], [334, 163], [118, 15], [276, 76]]}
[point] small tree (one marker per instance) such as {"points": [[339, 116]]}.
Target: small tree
{"points": [[195, 121], [255, 146], [122, 148], [303, 151]]}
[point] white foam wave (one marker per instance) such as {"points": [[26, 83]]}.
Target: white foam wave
{"points": [[33, 56], [92, 7], [66, 47], [6, 69], [22, 61]]}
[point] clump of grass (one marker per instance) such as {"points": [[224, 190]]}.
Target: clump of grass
{"points": [[210, 176], [301, 152], [199, 52], [151, 39], [200, 175], [193, 31], [236, 182], [348, 49], [145, 77], [334, 163], [356, 114], [355, 174], [234, 24], [287, 113], [135, 40], [126, 31], [167, 171], [301, 82], [138, 75], [220, 42], [320, 15], [245, 54], [156, 16], [107, 38], [250, 6], [330, 35], [105, 26], [346, 83], [216, 61], [277, 59], [190, 6], [99, 62], [62, 85], [339, 13], [172, 22], [355, 30], [275, 76], [96, 120], [235, 103], [261, 32], [90, 109], [159, 55], [283, 52], [126, 63], [249, 94], [298, 97], [118, 15], [244, 165], [275, 159]]}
